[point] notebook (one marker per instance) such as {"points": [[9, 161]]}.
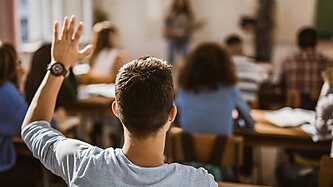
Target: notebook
{"points": [[288, 117]]}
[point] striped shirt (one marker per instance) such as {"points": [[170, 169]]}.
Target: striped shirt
{"points": [[250, 77]]}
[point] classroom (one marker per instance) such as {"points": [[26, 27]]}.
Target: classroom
{"points": [[230, 93]]}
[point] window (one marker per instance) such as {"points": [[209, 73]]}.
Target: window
{"points": [[36, 18]]}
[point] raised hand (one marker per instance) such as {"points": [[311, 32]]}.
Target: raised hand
{"points": [[65, 48]]}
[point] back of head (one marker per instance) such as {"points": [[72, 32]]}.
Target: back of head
{"points": [[40, 60], [144, 95], [307, 38], [234, 44], [8, 62], [207, 67]]}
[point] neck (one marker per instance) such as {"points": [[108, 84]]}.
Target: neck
{"points": [[147, 152]]}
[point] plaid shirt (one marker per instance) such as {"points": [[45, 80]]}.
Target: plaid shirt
{"points": [[302, 71]]}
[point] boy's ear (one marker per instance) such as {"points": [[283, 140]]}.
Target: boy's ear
{"points": [[173, 113], [114, 107]]}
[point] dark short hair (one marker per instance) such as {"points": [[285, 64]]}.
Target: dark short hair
{"points": [[8, 62], [207, 67], [233, 40], [307, 37], [144, 95]]}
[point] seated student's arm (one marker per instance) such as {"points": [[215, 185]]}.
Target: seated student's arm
{"points": [[57, 153], [243, 109], [324, 110], [13, 110]]}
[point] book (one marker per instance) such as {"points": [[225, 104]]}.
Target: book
{"points": [[288, 117]]}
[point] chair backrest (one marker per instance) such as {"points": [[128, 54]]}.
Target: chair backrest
{"points": [[326, 172], [211, 149], [293, 99]]}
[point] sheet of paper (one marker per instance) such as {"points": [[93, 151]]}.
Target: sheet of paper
{"points": [[288, 117], [105, 90]]}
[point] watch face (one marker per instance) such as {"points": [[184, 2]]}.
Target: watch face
{"points": [[58, 69]]}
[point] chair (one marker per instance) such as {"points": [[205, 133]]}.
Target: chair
{"points": [[326, 172], [293, 99], [209, 149]]}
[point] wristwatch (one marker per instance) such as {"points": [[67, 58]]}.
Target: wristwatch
{"points": [[57, 69]]}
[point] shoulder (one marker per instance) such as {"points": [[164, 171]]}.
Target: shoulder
{"points": [[230, 88], [292, 57], [322, 58], [9, 92], [190, 170], [195, 176], [7, 86]]}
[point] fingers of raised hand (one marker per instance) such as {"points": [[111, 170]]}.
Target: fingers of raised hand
{"points": [[71, 27], [56, 31], [85, 51], [64, 32], [78, 32]]}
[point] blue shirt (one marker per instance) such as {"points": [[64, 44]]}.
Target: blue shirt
{"points": [[12, 112], [210, 112]]}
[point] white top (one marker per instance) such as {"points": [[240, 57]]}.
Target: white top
{"points": [[81, 164], [104, 62], [250, 75]]}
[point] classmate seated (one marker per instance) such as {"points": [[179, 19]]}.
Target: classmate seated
{"points": [[301, 72], [107, 58], [250, 74], [303, 170], [12, 111], [324, 108], [39, 63], [12, 103], [293, 173], [208, 93], [144, 105]]}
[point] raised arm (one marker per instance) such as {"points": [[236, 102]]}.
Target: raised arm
{"points": [[65, 49]]}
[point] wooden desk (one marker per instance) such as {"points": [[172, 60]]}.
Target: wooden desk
{"points": [[268, 134], [93, 104], [265, 134], [91, 110]]}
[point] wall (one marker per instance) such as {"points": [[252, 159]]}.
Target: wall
{"points": [[141, 22]]}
